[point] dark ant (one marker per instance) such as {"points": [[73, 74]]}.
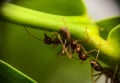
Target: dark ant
{"points": [[55, 41], [64, 39], [69, 45], [110, 74]]}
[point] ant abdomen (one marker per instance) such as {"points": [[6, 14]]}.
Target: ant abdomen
{"points": [[83, 56]]}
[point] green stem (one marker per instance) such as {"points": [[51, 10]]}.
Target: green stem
{"points": [[36, 19], [81, 27]]}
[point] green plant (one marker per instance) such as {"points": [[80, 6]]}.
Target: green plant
{"points": [[80, 26]]}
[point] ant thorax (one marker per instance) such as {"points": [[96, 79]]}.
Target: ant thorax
{"points": [[65, 34]]}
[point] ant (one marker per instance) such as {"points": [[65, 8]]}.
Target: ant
{"points": [[58, 40], [110, 74], [63, 37]]}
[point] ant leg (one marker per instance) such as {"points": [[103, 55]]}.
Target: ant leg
{"points": [[55, 34], [98, 51], [114, 74], [94, 50], [98, 77], [92, 71], [61, 52], [106, 81], [70, 50], [29, 33], [56, 38], [63, 45], [97, 74], [83, 48]]}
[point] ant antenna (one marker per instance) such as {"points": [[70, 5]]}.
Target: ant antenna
{"points": [[30, 34], [92, 71]]}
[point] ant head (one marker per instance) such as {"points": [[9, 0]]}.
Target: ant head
{"points": [[47, 39], [95, 65]]}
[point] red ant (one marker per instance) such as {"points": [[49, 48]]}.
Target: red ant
{"points": [[110, 74]]}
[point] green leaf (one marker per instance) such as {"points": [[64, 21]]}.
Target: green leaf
{"points": [[114, 40], [109, 32], [107, 25], [60, 7], [9, 74]]}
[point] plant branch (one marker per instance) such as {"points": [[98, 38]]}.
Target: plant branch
{"points": [[35, 19]]}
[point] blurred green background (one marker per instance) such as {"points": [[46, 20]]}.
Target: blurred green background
{"points": [[35, 58], [39, 60]]}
